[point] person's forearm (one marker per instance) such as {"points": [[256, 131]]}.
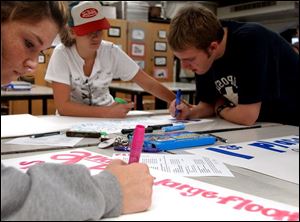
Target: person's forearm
{"points": [[201, 110], [82, 110], [58, 192], [162, 92], [239, 115], [154, 87]]}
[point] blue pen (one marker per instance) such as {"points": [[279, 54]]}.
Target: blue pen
{"points": [[178, 100], [179, 126]]}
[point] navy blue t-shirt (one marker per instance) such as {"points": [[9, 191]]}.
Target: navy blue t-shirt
{"points": [[258, 66]]}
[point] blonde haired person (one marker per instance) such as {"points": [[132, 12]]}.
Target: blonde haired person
{"points": [[55, 191], [244, 72], [83, 66]]}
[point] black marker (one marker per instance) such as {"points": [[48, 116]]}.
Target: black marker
{"points": [[70, 133], [157, 127], [44, 134], [147, 130]]}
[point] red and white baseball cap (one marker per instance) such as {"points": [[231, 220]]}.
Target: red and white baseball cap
{"points": [[87, 18]]}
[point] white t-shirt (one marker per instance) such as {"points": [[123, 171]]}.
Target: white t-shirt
{"points": [[66, 66]]}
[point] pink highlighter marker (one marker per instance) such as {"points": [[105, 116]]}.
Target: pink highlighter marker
{"points": [[137, 144]]}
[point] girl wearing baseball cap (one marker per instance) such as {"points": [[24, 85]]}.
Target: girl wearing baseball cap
{"points": [[83, 66]]}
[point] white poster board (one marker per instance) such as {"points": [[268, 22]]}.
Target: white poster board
{"points": [[175, 197]]}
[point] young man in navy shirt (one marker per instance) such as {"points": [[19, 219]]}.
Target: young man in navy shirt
{"points": [[244, 71]]}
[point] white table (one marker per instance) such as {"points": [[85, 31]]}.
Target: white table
{"points": [[36, 93], [245, 180]]}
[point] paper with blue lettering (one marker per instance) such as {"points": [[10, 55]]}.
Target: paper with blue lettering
{"points": [[277, 157]]}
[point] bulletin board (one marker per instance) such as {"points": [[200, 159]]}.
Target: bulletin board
{"points": [[138, 43], [147, 45], [162, 55], [117, 33]]}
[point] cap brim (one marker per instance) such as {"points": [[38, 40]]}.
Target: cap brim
{"points": [[94, 26]]}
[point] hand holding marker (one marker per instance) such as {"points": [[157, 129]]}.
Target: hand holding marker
{"points": [[177, 101]]}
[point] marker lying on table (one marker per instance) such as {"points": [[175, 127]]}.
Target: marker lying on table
{"points": [[137, 144], [179, 126], [71, 133], [147, 130], [45, 134], [158, 127]]}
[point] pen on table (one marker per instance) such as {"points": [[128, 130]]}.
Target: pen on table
{"points": [[177, 101], [147, 130], [120, 101], [174, 127], [224, 140], [159, 126], [44, 134], [72, 133], [137, 144]]}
